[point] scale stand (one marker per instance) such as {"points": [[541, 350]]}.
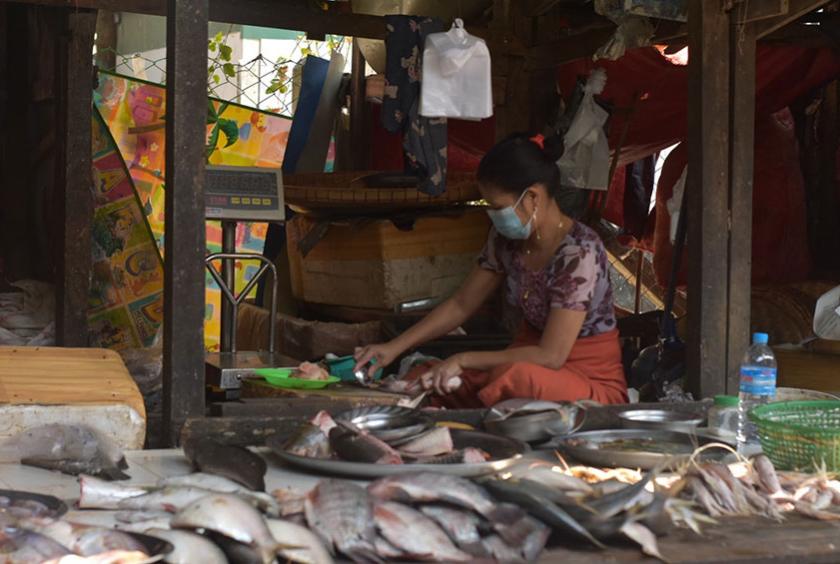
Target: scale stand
{"points": [[241, 194]]}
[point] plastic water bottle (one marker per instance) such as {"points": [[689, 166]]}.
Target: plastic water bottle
{"points": [[758, 387]]}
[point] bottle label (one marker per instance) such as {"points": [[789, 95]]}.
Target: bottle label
{"points": [[758, 380]]}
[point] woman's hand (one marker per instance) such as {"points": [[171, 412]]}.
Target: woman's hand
{"points": [[383, 355], [445, 377]]}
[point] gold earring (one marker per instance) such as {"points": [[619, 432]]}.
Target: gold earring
{"points": [[534, 219]]}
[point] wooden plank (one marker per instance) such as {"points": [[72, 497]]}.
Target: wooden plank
{"points": [[183, 332], [56, 376], [741, 540], [742, 131], [255, 388], [707, 192], [745, 11], [74, 156]]}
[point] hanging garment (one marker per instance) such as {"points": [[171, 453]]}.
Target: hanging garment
{"points": [[424, 139]]}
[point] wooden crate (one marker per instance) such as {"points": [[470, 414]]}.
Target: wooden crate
{"points": [[377, 266]]}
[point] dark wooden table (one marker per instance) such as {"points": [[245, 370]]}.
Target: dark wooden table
{"points": [[743, 540]]}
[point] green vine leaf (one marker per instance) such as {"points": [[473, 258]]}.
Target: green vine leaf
{"points": [[229, 70], [225, 52], [231, 131]]}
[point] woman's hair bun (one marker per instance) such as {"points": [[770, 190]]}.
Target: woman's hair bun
{"points": [[554, 147]]}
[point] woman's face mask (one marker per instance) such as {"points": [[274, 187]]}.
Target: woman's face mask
{"points": [[508, 224]]}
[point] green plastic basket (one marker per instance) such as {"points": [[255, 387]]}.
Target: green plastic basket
{"points": [[799, 435]]}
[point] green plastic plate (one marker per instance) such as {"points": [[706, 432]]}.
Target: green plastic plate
{"points": [[281, 377]]}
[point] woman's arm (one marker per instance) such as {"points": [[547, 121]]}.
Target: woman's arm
{"points": [[451, 314], [561, 331]]}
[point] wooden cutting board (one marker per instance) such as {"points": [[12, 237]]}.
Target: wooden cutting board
{"points": [[61, 376]]}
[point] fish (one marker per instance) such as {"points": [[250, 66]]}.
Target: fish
{"points": [[101, 494], [461, 526], [324, 421], [431, 443], [233, 462], [24, 508], [418, 536], [70, 449], [540, 507], [624, 499], [289, 502], [189, 547], [644, 537], [739, 494], [501, 551], [233, 517], [434, 487], [308, 547], [310, 371], [310, 442], [553, 476], [214, 483], [469, 455], [703, 496], [387, 550], [809, 510], [140, 516], [719, 490], [355, 445], [90, 541], [109, 557], [167, 499], [22, 546], [341, 513], [768, 480]]}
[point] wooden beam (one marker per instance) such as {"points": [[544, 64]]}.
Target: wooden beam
{"points": [[752, 10], [707, 192], [796, 10], [186, 115], [742, 131], [74, 177], [106, 40]]}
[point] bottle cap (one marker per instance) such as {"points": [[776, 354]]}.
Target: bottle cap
{"points": [[726, 401], [760, 338]]}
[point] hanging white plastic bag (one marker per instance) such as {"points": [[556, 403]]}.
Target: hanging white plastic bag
{"points": [[456, 76], [586, 160]]}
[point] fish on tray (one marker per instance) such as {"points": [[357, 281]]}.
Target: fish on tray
{"points": [[189, 547], [356, 445], [341, 513], [22, 546], [415, 534], [232, 517], [310, 371], [71, 449], [233, 462]]}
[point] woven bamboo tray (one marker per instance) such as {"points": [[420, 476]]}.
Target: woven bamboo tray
{"points": [[341, 190]]}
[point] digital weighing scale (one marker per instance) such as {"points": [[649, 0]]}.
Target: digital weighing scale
{"points": [[234, 194]]}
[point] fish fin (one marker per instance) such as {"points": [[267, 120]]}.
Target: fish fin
{"points": [[114, 474], [122, 464]]}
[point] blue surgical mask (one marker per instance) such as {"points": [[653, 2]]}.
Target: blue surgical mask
{"points": [[508, 224]]}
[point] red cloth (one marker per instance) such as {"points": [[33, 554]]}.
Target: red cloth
{"points": [[783, 74], [780, 238], [592, 371]]}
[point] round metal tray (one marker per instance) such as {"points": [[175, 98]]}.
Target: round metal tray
{"points": [[504, 452], [56, 507], [662, 419], [595, 448], [393, 424], [538, 426]]}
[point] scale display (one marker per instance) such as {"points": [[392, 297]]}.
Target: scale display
{"points": [[236, 193]]}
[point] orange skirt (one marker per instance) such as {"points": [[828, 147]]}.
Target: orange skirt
{"points": [[593, 371]]}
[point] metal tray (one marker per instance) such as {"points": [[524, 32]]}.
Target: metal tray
{"points": [[538, 425], [56, 507], [505, 453], [661, 419], [393, 424], [584, 448]]}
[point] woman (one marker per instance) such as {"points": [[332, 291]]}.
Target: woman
{"points": [[557, 275]]}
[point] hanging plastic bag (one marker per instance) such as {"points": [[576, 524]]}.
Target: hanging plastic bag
{"points": [[456, 76], [586, 160]]}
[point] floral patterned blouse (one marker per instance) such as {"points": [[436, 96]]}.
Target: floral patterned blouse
{"points": [[576, 278]]}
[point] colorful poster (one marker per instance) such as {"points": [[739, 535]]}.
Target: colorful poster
{"points": [[134, 112], [127, 272]]}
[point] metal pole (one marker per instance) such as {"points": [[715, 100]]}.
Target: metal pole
{"points": [[186, 118], [228, 318]]}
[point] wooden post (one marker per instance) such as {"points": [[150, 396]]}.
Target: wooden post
{"points": [[742, 131], [186, 114], [708, 194], [106, 40], [358, 115], [74, 176]]}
